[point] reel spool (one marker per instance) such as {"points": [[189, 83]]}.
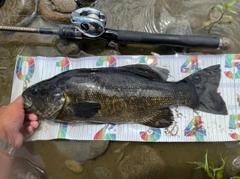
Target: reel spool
{"points": [[89, 21]]}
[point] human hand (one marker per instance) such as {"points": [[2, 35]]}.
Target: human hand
{"points": [[15, 124]]}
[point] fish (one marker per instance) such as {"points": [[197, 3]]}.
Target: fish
{"points": [[128, 94]]}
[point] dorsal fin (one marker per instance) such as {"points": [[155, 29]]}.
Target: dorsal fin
{"points": [[154, 73]]}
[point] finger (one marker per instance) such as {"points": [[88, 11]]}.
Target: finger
{"points": [[33, 124], [18, 141], [31, 117], [28, 131]]}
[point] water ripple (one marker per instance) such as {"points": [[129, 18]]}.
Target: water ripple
{"points": [[155, 16]]}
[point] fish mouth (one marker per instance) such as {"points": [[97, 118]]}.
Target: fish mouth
{"points": [[27, 102]]}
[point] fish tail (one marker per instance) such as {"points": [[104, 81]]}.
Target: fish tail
{"points": [[206, 83]]}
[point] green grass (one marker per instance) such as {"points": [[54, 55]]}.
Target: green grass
{"points": [[209, 168]]}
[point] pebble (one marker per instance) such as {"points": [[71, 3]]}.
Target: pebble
{"points": [[74, 166]]}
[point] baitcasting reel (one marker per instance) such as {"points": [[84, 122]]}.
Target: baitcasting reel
{"points": [[89, 21]]}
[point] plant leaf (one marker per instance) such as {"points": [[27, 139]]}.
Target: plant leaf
{"points": [[231, 3], [226, 6], [219, 171], [219, 6], [211, 164], [209, 13], [207, 23], [232, 11], [206, 160], [225, 21], [195, 163], [219, 174], [207, 167], [199, 167]]}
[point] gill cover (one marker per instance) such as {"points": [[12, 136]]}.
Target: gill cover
{"points": [[54, 105]]}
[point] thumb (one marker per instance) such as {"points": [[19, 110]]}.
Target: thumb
{"points": [[18, 102]]}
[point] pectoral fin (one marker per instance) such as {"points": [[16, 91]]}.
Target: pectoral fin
{"points": [[83, 109], [160, 119]]}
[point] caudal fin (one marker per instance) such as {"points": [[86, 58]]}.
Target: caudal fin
{"points": [[206, 83]]}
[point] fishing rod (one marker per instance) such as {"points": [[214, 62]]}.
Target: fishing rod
{"points": [[89, 23]]}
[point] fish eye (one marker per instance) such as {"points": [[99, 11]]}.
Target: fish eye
{"points": [[34, 91]]}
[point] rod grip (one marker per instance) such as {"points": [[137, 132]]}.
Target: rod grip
{"points": [[191, 41]]}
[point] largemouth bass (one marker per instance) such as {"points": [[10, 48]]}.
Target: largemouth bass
{"points": [[133, 93]]}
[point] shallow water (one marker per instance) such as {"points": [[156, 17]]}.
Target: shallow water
{"points": [[141, 15]]}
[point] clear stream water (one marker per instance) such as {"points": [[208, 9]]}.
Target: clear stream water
{"points": [[140, 15]]}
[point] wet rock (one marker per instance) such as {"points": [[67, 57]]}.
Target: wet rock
{"points": [[74, 166], [81, 151], [181, 26], [108, 52], [68, 47], [121, 147], [16, 12], [23, 169], [59, 11], [102, 172], [36, 160], [232, 166], [120, 157], [49, 11], [143, 162]]}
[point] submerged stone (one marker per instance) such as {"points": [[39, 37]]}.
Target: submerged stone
{"points": [[81, 151], [102, 172], [143, 162]]}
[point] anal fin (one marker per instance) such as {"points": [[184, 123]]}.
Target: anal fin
{"points": [[160, 119]]}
